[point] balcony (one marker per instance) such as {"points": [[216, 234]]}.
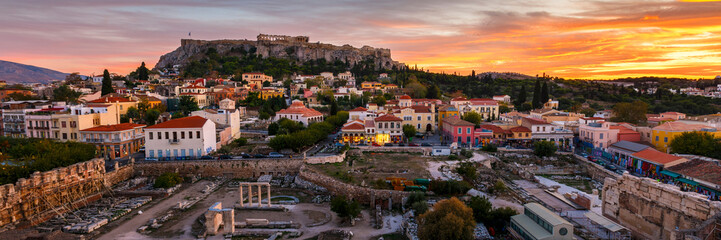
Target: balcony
{"points": [[15, 120], [174, 141]]}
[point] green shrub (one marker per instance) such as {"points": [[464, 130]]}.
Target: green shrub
{"points": [[490, 148], [167, 180]]}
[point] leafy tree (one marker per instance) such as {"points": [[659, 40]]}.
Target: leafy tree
{"points": [[65, 94], [450, 187], [697, 143], [187, 104], [273, 129], [380, 100], [503, 108], [481, 209], [177, 115], [333, 107], [151, 116], [449, 219], [266, 84], [544, 93], [133, 113], [467, 170], [167, 180], [537, 95], [633, 113], [34, 154], [473, 117], [544, 148], [73, 78], [344, 208], [264, 116], [433, 92], [588, 112], [409, 131], [417, 90], [490, 147], [142, 72], [107, 83]]}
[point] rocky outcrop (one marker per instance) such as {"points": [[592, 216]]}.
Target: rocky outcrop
{"points": [[295, 49]]}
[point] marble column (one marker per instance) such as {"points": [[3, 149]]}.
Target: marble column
{"points": [[250, 195], [260, 196], [241, 195], [268, 195]]}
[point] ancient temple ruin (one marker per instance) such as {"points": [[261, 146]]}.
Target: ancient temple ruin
{"points": [[282, 38]]}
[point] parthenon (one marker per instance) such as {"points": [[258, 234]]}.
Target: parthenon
{"points": [[282, 38]]}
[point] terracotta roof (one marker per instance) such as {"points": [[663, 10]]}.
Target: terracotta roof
{"points": [[672, 113], [388, 118], [592, 118], [494, 128], [405, 97], [111, 100], [655, 156], [459, 99], [114, 128], [186, 122], [519, 129], [622, 129], [699, 169], [297, 107], [535, 121], [359, 109], [457, 122], [420, 109], [680, 127], [353, 126]]}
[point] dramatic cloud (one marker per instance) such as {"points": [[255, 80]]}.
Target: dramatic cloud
{"points": [[567, 38]]}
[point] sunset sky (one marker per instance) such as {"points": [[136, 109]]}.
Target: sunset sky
{"points": [[565, 38]]}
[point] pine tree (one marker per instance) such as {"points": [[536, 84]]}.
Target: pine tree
{"points": [[544, 93], [142, 72], [107, 83], [333, 107], [536, 103]]}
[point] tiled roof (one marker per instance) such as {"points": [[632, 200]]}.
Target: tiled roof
{"points": [[655, 156], [297, 107], [519, 129], [629, 146], [680, 127], [459, 99], [186, 122], [111, 100], [494, 128], [622, 129], [405, 97], [420, 109], [699, 169], [457, 122], [353, 126], [535, 121], [592, 118], [388, 118], [359, 109], [114, 128]]}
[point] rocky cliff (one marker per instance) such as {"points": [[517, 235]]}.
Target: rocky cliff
{"points": [[295, 48]]}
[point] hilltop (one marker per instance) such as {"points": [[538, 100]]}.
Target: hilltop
{"points": [[12, 72], [296, 49]]}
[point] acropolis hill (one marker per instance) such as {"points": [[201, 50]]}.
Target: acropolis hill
{"points": [[280, 46]]}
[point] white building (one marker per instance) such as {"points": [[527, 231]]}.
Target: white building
{"points": [[227, 117], [183, 137], [299, 113]]}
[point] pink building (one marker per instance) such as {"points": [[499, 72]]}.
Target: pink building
{"points": [[457, 130], [603, 134]]}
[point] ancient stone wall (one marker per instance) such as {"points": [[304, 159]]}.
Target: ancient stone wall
{"points": [[595, 171], [653, 210], [423, 150], [325, 159], [250, 168], [362, 194], [120, 174], [44, 194]]}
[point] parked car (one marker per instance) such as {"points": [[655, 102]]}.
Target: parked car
{"points": [[259, 156], [206, 157], [591, 158], [275, 155], [401, 144], [412, 145], [611, 167], [245, 155], [376, 145], [426, 144], [151, 159], [224, 157], [362, 144], [388, 144]]}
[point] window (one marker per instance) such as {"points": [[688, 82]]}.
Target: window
{"points": [[63, 124], [160, 136], [600, 136], [429, 118], [419, 118], [151, 153], [182, 152], [459, 131], [544, 129], [190, 135], [160, 153], [151, 136], [657, 138], [167, 135], [65, 136], [468, 130], [190, 152], [419, 126], [197, 134], [175, 152], [665, 139], [182, 136]]}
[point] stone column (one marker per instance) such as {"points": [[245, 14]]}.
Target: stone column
{"points": [[250, 195], [268, 194], [260, 196], [241, 195]]}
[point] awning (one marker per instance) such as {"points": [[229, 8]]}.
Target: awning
{"points": [[670, 174], [605, 222], [689, 182]]}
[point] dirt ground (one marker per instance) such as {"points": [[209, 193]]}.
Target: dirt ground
{"points": [[369, 167]]}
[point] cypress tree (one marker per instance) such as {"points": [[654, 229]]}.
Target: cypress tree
{"points": [[107, 83], [536, 103], [544, 93], [521, 96], [142, 72]]}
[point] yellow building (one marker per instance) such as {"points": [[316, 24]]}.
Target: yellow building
{"points": [[420, 117], [266, 93], [447, 111], [120, 105], [67, 126], [257, 78], [662, 135], [371, 85]]}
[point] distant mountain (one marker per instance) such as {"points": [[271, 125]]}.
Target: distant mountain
{"points": [[20, 73]]}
